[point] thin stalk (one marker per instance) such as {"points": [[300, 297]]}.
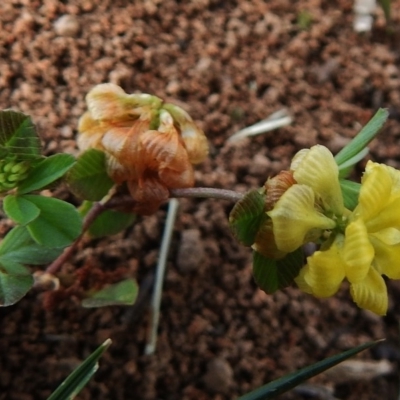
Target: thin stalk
{"points": [[207, 193], [112, 201], [160, 273]]}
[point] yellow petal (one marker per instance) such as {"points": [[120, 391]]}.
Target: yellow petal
{"points": [[388, 236], [388, 217], [358, 251], [375, 191], [318, 169], [395, 175], [294, 217], [326, 270], [387, 258], [371, 293], [301, 282]]}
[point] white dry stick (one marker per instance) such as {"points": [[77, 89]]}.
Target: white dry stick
{"points": [[363, 15], [276, 120], [159, 278]]}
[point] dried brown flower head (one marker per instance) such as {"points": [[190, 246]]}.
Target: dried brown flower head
{"points": [[150, 145]]}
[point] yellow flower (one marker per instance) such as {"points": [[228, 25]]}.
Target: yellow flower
{"points": [[369, 248], [326, 269], [295, 219], [317, 168], [379, 209], [313, 205], [149, 145]]}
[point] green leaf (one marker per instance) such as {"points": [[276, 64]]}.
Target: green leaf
{"points": [[58, 223], [110, 222], [18, 135], [88, 179], [80, 376], [347, 166], [246, 217], [15, 282], [120, 294], [350, 191], [45, 172], [362, 139], [287, 382], [272, 275], [19, 209], [18, 246]]}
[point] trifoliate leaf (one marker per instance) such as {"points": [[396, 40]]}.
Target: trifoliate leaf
{"points": [[58, 224], [88, 178], [19, 209], [120, 294], [272, 275], [18, 246], [18, 135], [246, 217], [15, 282], [45, 172]]}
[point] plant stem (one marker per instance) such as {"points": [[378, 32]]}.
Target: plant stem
{"points": [[93, 213], [207, 193], [115, 201]]}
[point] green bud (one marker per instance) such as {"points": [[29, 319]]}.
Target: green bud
{"points": [[13, 178], [23, 176], [8, 167], [7, 185], [20, 168]]}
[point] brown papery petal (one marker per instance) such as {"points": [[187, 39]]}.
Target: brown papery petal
{"points": [[196, 143], [276, 186], [149, 193], [105, 102]]}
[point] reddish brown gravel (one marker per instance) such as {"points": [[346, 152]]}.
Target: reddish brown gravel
{"points": [[229, 64]]}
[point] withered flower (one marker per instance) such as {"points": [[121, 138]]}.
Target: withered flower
{"points": [[150, 145]]}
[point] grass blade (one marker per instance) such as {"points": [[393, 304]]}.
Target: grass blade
{"points": [[80, 376], [281, 385]]}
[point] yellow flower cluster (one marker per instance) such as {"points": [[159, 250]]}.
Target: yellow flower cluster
{"points": [[359, 246], [149, 145]]}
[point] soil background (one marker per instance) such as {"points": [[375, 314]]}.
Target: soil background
{"points": [[229, 64]]}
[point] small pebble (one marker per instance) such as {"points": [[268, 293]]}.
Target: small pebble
{"points": [[219, 375], [67, 25], [191, 251]]}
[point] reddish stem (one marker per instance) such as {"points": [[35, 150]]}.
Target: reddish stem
{"points": [[93, 213]]}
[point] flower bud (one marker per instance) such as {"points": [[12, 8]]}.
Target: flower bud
{"points": [[12, 172]]}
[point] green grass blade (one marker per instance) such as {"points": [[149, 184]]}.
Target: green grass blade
{"points": [[362, 139], [80, 376], [281, 385]]}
